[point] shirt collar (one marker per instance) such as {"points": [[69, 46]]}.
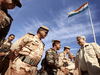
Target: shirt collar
{"points": [[54, 50], [85, 45]]}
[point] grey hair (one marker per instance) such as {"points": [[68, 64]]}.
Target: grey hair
{"points": [[81, 36], [70, 54]]}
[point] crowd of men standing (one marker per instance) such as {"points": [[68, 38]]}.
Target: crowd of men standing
{"points": [[23, 56]]}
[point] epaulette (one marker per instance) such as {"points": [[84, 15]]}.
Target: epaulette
{"points": [[31, 34], [62, 53], [49, 50]]}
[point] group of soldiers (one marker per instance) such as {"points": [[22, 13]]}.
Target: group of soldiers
{"points": [[54, 64], [23, 56]]}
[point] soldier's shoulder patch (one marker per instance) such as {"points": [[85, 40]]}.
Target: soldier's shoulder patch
{"points": [[61, 53], [31, 34], [50, 51]]}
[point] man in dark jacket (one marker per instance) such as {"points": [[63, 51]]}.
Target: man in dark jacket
{"points": [[5, 18]]}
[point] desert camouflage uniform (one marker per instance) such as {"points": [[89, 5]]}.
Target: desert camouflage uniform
{"points": [[52, 61], [4, 60], [62, 62], [87, 59], [71, 67], [30, 49]]}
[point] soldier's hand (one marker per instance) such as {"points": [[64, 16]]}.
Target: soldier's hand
{"points": [[62, 69], [76, 72], [66, 71]]}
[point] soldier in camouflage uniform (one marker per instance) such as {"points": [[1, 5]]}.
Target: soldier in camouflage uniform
{"points": [[52, 59], [28, 51], [4, 51], [71, 64], [63, 59], [5, 18]]}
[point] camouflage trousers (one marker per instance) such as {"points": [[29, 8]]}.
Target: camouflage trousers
{"points": [[21, 68]]}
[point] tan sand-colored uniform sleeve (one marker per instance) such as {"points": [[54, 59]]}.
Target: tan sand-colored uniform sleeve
{"points": [[62, 58], [96, 47]]}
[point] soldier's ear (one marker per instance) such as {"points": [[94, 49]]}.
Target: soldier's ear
{"points": [[55, 44], [84, 39]]}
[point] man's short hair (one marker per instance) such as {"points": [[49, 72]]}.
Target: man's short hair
{"points": [[81, 36], [70, 54], [66, 47], [54, 42], [12, 34]]}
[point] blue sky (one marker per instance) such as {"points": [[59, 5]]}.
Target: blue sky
{"points": [[54, 15]]}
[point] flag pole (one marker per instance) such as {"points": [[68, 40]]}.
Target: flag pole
{"points": [[92, 25]]}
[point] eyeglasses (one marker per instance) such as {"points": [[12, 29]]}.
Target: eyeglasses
{"points": [[45, 31]]}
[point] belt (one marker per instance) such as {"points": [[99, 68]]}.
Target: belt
{"points": [[28, 61]]}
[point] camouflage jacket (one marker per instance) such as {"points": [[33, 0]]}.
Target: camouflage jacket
{"points": [[5, 23], [63, 59], [5, 46], [52, 59], [29, 46]]}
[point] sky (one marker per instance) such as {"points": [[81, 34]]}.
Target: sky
{"points": [[54, 15]]}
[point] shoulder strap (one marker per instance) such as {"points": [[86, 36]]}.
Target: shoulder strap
{"points": [[31, 34]]}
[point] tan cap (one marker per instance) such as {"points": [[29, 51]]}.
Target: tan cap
{"points": [[45, 28], [66, 47]]}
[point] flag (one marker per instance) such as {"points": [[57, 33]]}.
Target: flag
{"points": [[79, 10]]}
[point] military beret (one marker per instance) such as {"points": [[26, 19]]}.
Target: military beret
{"points": [[66, 47], [44, 27]]}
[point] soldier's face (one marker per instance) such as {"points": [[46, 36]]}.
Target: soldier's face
{"points": [[71, 56], [9, 4], [67, 50], [80, 41], [11, 38], [43, 33], [58, 46]]}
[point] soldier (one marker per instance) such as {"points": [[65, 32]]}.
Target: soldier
{"points": [[87, 57], [4, 51], [43, 68], [5, 18], [71, 64], [52, 59], [28, 51], [63, 59]]}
